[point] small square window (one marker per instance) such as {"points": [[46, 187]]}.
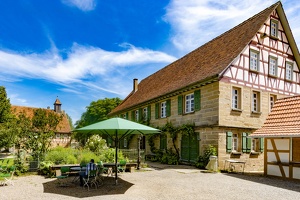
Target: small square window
{"points": [[274, 28]]}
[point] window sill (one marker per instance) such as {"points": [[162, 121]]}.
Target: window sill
{"points": [[288, 80], [254, 71], [272, 76], [273, 37], [256, 113], [254, 152], [236, 110], [236, 153]]}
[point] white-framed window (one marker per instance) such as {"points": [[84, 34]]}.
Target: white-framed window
{"points": [[189, 103], [254, 60], [288, 71], [274, 28], [57, 136], [137, 115], [235, 142], [272, 66], [124, 116], [254, 145], [125, 142], [236, 98], [272, 101], [163, 109], [145, 113], [255, 101]]}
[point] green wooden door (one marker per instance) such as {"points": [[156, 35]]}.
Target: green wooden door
{"points": [[189, 148]]}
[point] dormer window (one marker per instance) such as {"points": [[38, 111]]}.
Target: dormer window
{"points": [[274, 28], [254, 60]]}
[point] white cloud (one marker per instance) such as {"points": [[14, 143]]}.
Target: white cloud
{"points": [[84, 5], [196, 22], [84, 67]]}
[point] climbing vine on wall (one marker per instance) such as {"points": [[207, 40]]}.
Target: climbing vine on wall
{"points": [[168, 128]]}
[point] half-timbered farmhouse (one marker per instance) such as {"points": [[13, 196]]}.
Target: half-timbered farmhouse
{"points": [[63, 131], [282, 139], [226, 88]]}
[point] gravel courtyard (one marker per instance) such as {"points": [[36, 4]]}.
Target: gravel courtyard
{"points": [[159, 182]]}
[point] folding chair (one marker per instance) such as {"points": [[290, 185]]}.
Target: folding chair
{"points": [[91, 179], [122, 166], [8, 177], [64, 173]]}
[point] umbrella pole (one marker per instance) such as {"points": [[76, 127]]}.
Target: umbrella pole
{"points": [[116, 159]]}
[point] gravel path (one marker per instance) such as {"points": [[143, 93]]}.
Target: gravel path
{"points": [[159, 182]]}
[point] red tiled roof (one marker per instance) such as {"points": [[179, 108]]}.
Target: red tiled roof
{"points": [[205, 62], [284, 119], [63, 126]]}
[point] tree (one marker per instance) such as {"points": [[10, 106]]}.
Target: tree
{"points": [[8, 124], [37, 132], [97, 111]]}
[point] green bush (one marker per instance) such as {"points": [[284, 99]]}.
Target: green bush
{"points": [[202, 161], [169, 158], [44, 168], [60, 155]]}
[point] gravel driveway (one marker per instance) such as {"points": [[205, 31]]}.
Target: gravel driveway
{"points": [[159, 182]]}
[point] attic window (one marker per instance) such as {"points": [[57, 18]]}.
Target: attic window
{"points": [[274, 28], [254, 60]]}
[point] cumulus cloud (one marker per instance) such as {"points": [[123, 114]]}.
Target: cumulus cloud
{"points": [[197, 22], [83, 66], [84, 5]]}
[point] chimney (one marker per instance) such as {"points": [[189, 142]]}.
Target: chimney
{"points": [[135, 84]]}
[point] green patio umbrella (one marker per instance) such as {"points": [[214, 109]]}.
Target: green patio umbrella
{"points": [[119, 128]]}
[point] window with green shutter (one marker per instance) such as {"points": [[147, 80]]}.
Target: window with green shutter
{"points": [[156, 110], [132, 115], [261, 144], [149, 112], [228, 141], [197, 97], [180, 105], [168, 108], [163, 141], [246, 143], [140, 114]]}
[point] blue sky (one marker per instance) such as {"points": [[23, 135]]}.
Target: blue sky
{"points": [[85, 50]]}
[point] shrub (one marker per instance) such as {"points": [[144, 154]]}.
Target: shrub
{"points": [[202, 161]]}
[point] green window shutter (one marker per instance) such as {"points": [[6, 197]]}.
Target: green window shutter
{"points": [[168, 107], [132, 115], [163, 141], [156, 110], [140, 114], [127, 115], [149, 112], [246, 143], [261, 144], [180, 105], [228, 141], [197, 96]]}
